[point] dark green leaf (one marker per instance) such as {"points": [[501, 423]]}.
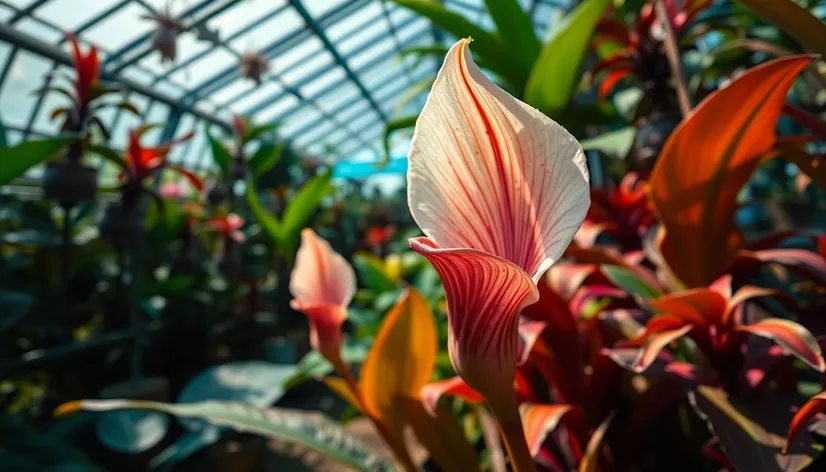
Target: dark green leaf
{"points": [[16, 160], [220, 155], [393, 126], [269, 223], [110, 155], [254, 132], [265, 158], [516, 26], [126, 106], [13, 305], [555, 75], [630, 282], [616, 143], [300, 208]]}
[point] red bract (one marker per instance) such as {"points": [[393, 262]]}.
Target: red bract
{"points": [[143, 162], [642, 54], [622, 211], [229, 225], [87, 68]]}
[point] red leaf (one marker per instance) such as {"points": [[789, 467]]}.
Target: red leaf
{"points": [[540, 420], [613, 29], [454, 386], [815, 405], [612, 63], [655, 344], [792, 336], [806, 263], [192, 178], [529, 332], [700, 306], [611, 80], [706, 161]]}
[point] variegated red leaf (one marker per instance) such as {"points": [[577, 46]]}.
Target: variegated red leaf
{"points": [[792, 336], [815, 405]]}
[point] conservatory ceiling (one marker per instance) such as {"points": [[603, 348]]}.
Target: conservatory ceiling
{"points": [[335, 75]]}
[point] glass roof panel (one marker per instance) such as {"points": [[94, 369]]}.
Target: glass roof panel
{"points": [[333, 80]]}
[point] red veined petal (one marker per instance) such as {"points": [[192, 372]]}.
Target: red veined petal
{"points": [[792, 336], [484, 295], [490, 173], [815, 405], [321, 276], [611, 80], [454, 387]]}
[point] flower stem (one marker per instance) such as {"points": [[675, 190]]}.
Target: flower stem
{"points": [[510, 423]]}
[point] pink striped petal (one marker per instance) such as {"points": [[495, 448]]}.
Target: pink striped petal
{"points": [[484, 295], [322, 284], [490, 173], [321, 276]]}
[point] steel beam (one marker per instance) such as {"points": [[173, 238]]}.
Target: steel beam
{"points": [[319, 32], [34, 45]]}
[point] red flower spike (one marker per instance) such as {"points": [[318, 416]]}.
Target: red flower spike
{"points": [[229, 225], [87, 68]]}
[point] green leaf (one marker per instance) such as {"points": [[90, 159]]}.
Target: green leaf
{"points": [[490, 48], [314, 366], [616, 144], [393, 126], [409, 94], [220, 154], [4, 139], [254, 132], [13, 306], [516, 26], [794, 20], [269, 223], [265, 158], [554, 78], [310, 430], [371, 272], [631, 283], [300, 208], [126, 106], [110, 155], [16, 160]]}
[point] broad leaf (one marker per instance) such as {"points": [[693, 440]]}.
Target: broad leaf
{"points": [[220, 155], [110, 155], [402, 358], [371, 272], [16, 160], [794, 20], [489, 47], [269, 223], [751, 434], [616, 144], [517, 26], [265, 158], [300, 208], [706, 161], [556, 73], [314, 365], [630, 282], [313, 431], [541, 420]]}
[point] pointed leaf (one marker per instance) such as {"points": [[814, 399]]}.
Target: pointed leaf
{"points": [[440, 434], [110, 155], [815, 405], [265, 158], [591, 457], [454, 386], [616, 144], [794, 20], [402, 358], [391, 127], [300, 208], [253, 132], [490, 48], [655, 344], [541, 420], [631, 282], [16, 160], [706, 161], [699, 306], [313, 431], [220, 155], [792, 336], [813, 166], [556, 73], [513, 23], [269, 223], [371, 272]]}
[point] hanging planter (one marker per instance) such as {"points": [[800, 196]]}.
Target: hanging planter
{"points": [[69, 182], [253, 65], [165, 37], [121, 227]]}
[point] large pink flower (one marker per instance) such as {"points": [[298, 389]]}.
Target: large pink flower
{"points": [[322, 284], [499, 189]]}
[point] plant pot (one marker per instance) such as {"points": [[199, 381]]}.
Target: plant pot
{"points": [[121, 227], [69, 182], [217, 193]]}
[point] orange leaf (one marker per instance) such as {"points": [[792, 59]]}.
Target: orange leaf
{"points": [[541, 420], [401, 360], [454, 386], [699, 306], [441, 436], [339, 387], [655, 344], [589, 460], [792, 336], [815, 405], [706, 161]]}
